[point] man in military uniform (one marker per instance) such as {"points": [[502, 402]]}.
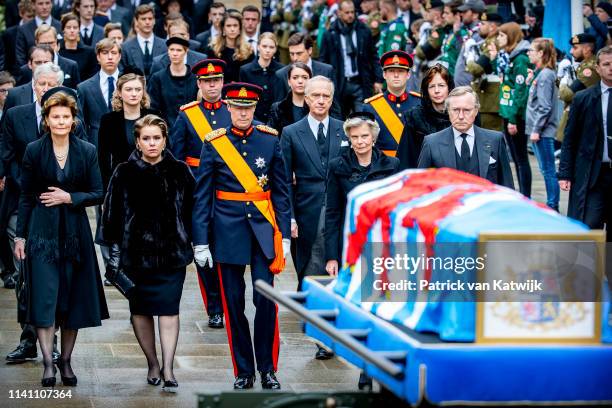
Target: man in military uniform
{"points": [[486, 81], [242, 169], [388, 107], [430, 48], [394, 35], [583, 51], [195, 120]]}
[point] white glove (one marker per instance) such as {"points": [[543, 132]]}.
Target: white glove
{"points": [[286, 247], [203, 256]]}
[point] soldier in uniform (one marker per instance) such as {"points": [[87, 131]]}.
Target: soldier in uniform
{"points": [[394, 34], [195, 120], [583, 51], [429, 49], [242, 170], [388, 107], [486, 81]]}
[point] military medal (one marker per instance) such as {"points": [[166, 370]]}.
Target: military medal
{"points": [[262, 180], [260, 162]]}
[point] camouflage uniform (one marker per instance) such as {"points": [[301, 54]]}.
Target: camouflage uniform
{"points": [[394, 36]]}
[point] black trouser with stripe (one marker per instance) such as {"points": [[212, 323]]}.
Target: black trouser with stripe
{"points": [[209, 288], [231, 278]]}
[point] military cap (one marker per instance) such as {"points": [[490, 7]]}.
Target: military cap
{"points": [[583, 38], [396, 59], [177, 40], [68, 91], [209, 68], [242, 94]]}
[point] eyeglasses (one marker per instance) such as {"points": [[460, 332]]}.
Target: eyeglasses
{"points": [[3, 91]]}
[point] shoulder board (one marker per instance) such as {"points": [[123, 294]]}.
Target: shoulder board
{"points": [[415, 93], [215, 134], [189, 105], [373, 98], [267, 129]]}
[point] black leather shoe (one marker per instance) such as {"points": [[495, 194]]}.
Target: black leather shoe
{"points": [[215, 321], [269, 381], [9, 282], [153, 381], [323, 354], [49, 381], [107, 283], [244, 382], [170, 386], [22, 354], [67, 381]]}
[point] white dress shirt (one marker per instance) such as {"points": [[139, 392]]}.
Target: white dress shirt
{"points": [[348, 68], [314, 125], [604, 110], [38, 115], [141, 43], [252, 41], [40, 21], [89, 28], [470, 139], [104, 82]]}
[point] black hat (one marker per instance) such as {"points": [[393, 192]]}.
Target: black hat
{"points": [[396, 59], [209, 68], [474, 5], [177, 40], [583, 38], [362, 115], [605, 6], [130, 69], [68, 91], [491, 18], [242, 94]]}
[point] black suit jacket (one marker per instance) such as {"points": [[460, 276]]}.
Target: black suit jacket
{"points": [[204, 39], [162, 61], [582, 149], [93, 105], [367, 57], [131, 54], [96, 35], [9, 38], [439, 151], [19, 95], [72, 77], [25, 39], [58, 12], [307, 195], [318, 68], [113, 147]]}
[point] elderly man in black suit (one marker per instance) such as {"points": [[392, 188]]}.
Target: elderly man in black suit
{"points": [[467, 147], [586, 155], [21, 126], [308, 145], [349, 47], [47, 37], [25, 36], [139, 51]]}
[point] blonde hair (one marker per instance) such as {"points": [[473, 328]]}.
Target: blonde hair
{"points": [[549, 53], [150, 120], [117, 102], [44, 29], [242, 51], [268, 36]]}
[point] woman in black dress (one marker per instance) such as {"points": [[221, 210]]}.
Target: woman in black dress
{"points": [[72, 48], [146, 222], [59, 179], [362, 162], [427, 118], [230, 47], [116, 136], [293, 107]]}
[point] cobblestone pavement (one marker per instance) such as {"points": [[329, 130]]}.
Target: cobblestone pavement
{"points": [[111, 368]]}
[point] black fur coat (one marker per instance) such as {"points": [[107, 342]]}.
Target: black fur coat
{"points": [[147, 211]]}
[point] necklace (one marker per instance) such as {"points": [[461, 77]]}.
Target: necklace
{"points": [[61, 157]]}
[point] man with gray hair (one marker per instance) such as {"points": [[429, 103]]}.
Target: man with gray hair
{"points": [[308, 145], [21, 126], [467, 147]]}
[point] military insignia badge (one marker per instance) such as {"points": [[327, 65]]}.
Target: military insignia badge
{"points": [[262, 180], [210, 68], [260, 162], [242, 93], [520, 79]]}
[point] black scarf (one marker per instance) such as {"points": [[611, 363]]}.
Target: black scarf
{"points": [[346, 30]]}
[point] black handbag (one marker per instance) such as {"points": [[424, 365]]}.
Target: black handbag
{"points": [[120, 280], [23, 292]]}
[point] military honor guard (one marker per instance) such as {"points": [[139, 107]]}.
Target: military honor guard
{"points": [[195, 120], [389, 107], [242, 170]]}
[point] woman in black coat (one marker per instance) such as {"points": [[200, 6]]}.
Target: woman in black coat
{"points": [[59, 179], [293, 107], [72, 48], [430, 117], [147, 225], [116, 135], [360, 163]]}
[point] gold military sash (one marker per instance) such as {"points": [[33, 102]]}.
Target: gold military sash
{"points": [[199, 122], [390, 119]]}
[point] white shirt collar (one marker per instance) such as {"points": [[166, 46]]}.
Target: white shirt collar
{"points": [[38, 113], [104, 76], [314, 124], [458, 134], [40, 21], [604, 87], [213, 32], [141, 42], [309, 63], [89, 27]]}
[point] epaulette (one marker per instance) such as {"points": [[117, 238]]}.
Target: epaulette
{"points": [[267, 129], [373, 98], [415, 93], [189, 105], [215, 134]]}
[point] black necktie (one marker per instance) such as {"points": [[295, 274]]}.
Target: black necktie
{"points": [[41, 128], [465, 153], [111, 89], [321, 143], [147, 58], [609, 123]]}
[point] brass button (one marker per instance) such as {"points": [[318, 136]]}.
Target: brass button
{"points": [[212, 113], [214, 122], [398, 105], [243, 141], [244, 153], [248, 215], [399, 114], [248, 203]]}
